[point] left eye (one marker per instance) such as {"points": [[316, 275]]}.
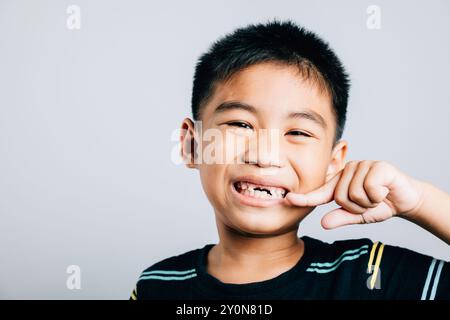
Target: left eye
{"points": [[298, 133]]}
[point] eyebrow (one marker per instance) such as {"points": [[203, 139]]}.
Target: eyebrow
{"points": [[234, 105], [307, 114]]}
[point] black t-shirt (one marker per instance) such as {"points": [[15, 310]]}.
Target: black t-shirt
{"points": [[349, 269]]}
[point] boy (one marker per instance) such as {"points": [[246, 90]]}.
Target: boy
{"points": [[281, 78]]}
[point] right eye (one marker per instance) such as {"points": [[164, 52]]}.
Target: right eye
{"points": [[239, 124]]}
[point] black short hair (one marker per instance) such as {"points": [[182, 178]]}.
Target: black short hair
{"points": [[279, 42]]}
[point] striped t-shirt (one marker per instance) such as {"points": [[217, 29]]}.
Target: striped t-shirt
{"points": [[349, 269]]}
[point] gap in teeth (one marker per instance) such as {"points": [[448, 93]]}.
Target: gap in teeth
{"points": [[263, 190], [256, 191]]}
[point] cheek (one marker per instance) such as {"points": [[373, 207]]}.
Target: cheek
{"points": [[234, 147], [223, 147], [213, 181], [311, 168]]}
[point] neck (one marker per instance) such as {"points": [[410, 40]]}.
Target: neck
{"points": [[241, 258]]}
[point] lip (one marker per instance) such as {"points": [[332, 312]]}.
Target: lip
{"points": [[257, 202]]}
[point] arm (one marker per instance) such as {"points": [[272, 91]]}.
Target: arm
{"points": [[433, 211]]}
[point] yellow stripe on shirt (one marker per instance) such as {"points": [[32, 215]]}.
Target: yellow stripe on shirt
{"points": [[377, 266], [133, 295], [372, 253]]}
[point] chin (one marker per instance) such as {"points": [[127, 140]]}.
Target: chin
{"points": [[261, 224]]}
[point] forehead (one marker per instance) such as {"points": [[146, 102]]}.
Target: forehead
{"points": [[274, 90]]}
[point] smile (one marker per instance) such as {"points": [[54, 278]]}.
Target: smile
{"points": [[256, 192]]}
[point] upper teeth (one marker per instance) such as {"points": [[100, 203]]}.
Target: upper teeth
{"points": [[249, 189]]}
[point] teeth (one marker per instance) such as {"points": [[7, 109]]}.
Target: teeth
{"points": [[249, 189]]}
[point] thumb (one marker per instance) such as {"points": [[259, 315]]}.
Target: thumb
{"points": [[340, 217], [319, 196]]}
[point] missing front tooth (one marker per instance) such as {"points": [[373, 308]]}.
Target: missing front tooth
{"points": [[262, 189]]}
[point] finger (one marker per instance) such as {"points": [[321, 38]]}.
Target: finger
{"points": [[319, 196], [342, 189], [378, 180], [341, 217], [356, 192]]}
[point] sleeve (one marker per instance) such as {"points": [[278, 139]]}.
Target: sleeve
{"points": [[406, 274], [437, 282]]}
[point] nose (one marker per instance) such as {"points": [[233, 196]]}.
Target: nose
{"points": [[264, 149]]}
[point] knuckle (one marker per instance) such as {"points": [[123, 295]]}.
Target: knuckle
{"points": [[361, 219], [372, 205], [352, 163], [383, 165], [369, 186], [357, 196], [340, 200], [365, 163]]}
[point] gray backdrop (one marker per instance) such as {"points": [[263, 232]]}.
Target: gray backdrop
{"points": [[86, 118]]}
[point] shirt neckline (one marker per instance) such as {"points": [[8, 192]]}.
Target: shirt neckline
{"points": [[210, 282]]}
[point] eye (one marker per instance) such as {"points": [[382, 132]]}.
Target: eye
{"points": [[239, 124], [298, 133]]}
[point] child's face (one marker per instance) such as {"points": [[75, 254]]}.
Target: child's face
{"points": [[279, 99]]}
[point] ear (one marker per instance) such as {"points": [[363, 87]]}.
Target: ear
{"points": [[188, 143], [337, 161]]}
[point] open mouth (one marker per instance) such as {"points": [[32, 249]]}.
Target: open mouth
{"points": [[259, 191]]}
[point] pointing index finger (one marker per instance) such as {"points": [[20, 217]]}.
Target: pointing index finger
{"points": [[321, 195]]}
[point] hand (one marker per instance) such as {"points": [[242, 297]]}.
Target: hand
{"points": [[367, 191]]}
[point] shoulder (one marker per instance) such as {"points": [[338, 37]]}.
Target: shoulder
{"points": [[387, 271], [336, 249], [365, 246], [179, 261], [167, 275], [338, 256], [372, 253]]}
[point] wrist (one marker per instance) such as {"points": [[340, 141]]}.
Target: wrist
{"points": [[421, 190]]}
